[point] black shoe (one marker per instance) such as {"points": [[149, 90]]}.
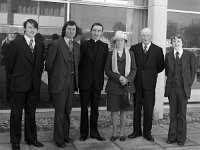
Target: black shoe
{"points": [[82, 138], [180, 143], [122, 138], [113, 138], [35, 143], [15, 147], [133, 135], [99, 138], [148, 138], [61, 145], [170, 142], [69, 140]]}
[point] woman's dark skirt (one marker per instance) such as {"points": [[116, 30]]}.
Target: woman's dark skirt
{"points": [[113, 103]]}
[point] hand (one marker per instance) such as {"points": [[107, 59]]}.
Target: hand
{"points": [[123, 80]]}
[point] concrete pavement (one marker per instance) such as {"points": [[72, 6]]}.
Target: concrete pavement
{"points": [[159, 133]]}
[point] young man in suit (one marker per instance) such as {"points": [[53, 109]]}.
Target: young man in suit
{"points": [[62, 67], [24, 63], [180, 68], [91, 78], [149, 61]]}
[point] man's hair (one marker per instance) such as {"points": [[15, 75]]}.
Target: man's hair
{"points": [[70, 23], [96, 24], [32, 22], [179, 36]]}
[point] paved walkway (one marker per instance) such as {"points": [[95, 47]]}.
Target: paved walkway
{"points": [[159, 133]]}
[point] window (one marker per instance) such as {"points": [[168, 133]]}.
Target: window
{"points": [[3, 6], [112, 18], [189, 5], [25, 6], [52, 9]]}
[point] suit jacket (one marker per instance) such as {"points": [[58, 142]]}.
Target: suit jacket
{"points": [[188, 71], [113, 85], [23, 67], [58, 64], [146, 75], [91, 68]]}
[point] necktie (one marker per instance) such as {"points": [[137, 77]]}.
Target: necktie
{"points": [[177, 55], [70, 44], [31, 45], [145, 49]]}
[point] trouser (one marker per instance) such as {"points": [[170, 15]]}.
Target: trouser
{"points": [[91, 96], [63, 105], [26, 100], [178, 107], [144, 98]]}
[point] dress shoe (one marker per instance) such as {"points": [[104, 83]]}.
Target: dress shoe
{"points": [[99, 138], [68, 140], [180, 143], [113, 138], [133, 135], [122, 138], [35, 143], [61, 145], [148, 138], [170, 142], [15, 147], [82, 138]]}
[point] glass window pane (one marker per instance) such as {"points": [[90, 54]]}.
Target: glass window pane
{"points": [[25, 7], [51, 9], [190, 5], [112, 18], [190, 29], [3, 6]]}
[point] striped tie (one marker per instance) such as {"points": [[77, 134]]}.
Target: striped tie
{"points": [[31, 45]]}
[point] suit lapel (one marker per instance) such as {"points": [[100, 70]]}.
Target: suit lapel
{"points": [[99, 50], [140, 52], [90, 50], [27, 50], [184, 60], [64, 49], [75, 51], [171, 60]]}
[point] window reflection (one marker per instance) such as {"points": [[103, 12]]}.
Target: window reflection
{"points": [[25, 7], [3, 6], [190, 5], [190, 29], [51, 9]]}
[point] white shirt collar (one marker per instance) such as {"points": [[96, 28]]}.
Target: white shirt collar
{"points": [[180, 53], [67, 40], [28, 40], [148, 45]]}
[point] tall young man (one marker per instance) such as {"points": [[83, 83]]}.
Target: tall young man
{"points": [[91, 79], [62, 66], [25, 65], [180, 68]]}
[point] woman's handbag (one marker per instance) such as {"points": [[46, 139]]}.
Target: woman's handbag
{"points": [[127, 97]]}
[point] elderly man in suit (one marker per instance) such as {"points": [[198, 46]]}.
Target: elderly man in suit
{"points": [[62, 66], [149, 61], [91, 78], [24, 63], [180, 68]]}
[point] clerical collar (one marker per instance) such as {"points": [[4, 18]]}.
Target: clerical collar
{"points": [[95, 40]]}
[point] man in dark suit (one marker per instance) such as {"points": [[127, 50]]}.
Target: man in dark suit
{"points": [[62, 66], [149, 61], [91, 78], [24, 62], [180, 68]]}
